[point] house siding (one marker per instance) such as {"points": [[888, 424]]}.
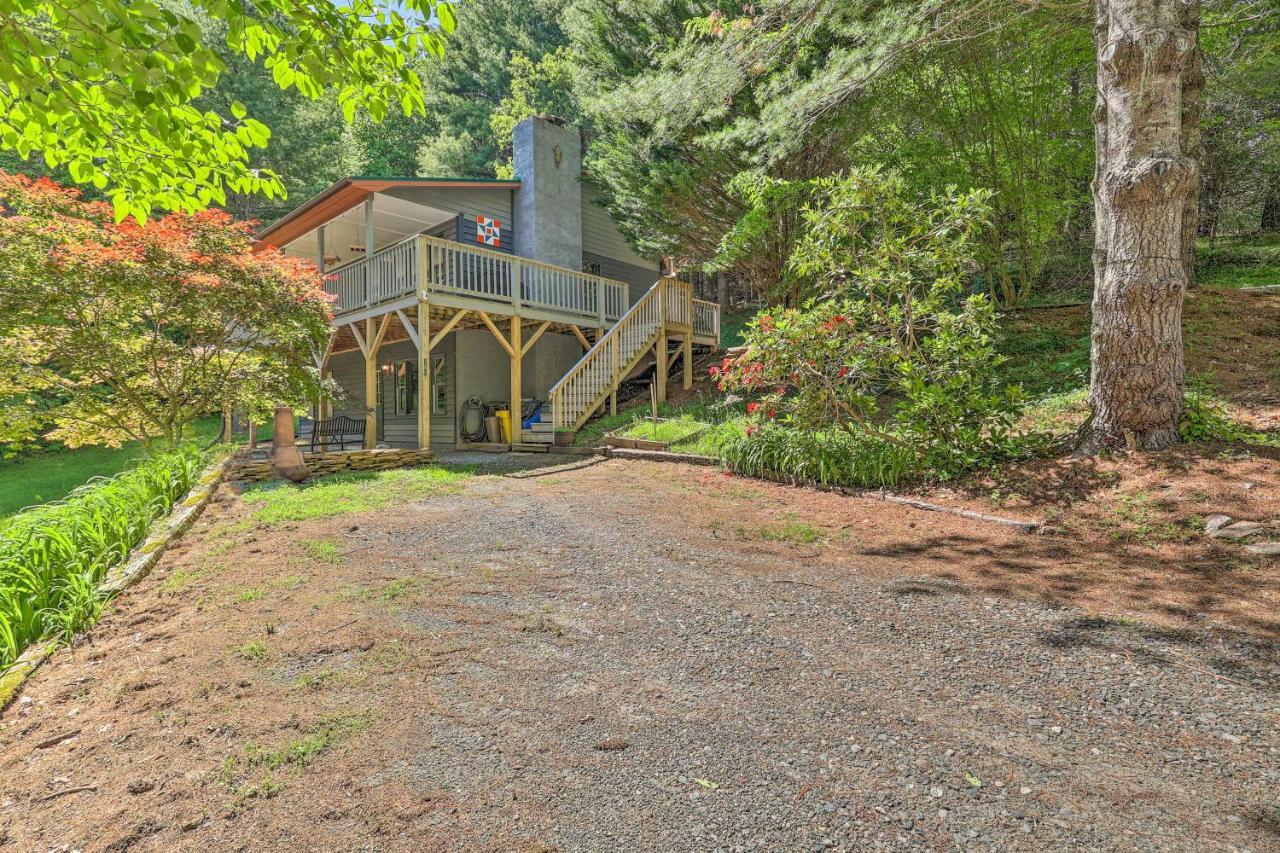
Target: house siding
{"points": [[397, 430], [492, 202]]}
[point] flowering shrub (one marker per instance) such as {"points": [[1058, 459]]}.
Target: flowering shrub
{"points": [[135, 331], [891, 354]]}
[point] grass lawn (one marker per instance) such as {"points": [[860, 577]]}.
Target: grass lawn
{"points": [[53, 473], [323, 497]]}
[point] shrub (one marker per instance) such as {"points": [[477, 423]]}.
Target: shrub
{"points": [[53, 557], [1205, 418], [891, 361]]}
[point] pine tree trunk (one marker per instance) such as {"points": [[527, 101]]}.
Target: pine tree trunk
{"points": [[1141, 184], [1192, 145]]}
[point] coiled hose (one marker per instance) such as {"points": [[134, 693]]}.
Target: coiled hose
{"points": [[471, 419]]}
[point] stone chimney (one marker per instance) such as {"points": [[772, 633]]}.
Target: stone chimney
{"points": [[547, 218]]}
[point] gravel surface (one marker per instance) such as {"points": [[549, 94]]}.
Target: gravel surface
{"points": [[586, 661]]}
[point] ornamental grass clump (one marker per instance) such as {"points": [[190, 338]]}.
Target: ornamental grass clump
{"points": [[54, 557], [887, 371]]}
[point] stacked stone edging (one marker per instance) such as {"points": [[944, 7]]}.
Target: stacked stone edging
{"points": [[319, 464]]}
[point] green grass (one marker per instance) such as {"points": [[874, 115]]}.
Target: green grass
{"points": [[256, 774], [726, 422], [670, 430], [323, 551], [340, 494], [254, 650], [1250, 261], [53, 473]]}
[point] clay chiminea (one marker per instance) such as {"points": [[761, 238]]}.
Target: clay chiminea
{"points": [[285, 456]]}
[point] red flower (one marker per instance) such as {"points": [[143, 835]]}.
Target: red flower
{"points": [[752, 408], [766, 323], [751, 430]]}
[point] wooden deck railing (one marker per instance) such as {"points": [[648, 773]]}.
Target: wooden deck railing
{"points": [[469, 271], [668, 305]]}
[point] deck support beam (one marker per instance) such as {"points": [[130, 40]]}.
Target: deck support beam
{"points": [[517, 356], [687, 348], [423, 342], [373, 340], [660, 364]]}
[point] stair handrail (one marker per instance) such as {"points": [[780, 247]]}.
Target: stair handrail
{"points": [[614, 330], [614, 334]]}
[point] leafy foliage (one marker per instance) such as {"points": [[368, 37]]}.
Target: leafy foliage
{"points": [[884, 348], [139, 330], [53, 557], [109, 89]]}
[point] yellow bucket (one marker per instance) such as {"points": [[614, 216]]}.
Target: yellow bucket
{"points": [[504, 419]]}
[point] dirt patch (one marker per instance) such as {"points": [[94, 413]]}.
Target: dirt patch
{"points": [[631, 654]]}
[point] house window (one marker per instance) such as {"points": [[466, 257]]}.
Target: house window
{"points": [[406, 378], [439, 390]]}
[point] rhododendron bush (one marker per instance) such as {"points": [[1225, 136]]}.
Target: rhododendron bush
{"points": [[892, 360], [135, 331]]}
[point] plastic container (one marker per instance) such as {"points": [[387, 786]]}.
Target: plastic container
{"points": [[504, 418]]}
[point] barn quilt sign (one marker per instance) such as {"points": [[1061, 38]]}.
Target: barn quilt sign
{"points": [[488, 231]]}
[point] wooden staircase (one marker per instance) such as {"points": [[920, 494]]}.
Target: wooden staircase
{"points": [[666, 309]]}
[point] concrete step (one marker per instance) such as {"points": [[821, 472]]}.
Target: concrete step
{"points": [[531, 437]]}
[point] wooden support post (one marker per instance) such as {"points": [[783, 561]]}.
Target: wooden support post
{"points": [[660, 366], [370, 387], [326, 405], [688, 359], [424, 375], [517, 356], [616, 369], [373, 340]]}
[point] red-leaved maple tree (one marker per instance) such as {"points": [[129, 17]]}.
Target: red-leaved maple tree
{"points": [[130, 333]]}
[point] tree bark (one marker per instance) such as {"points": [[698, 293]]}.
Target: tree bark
{"points": [[1192, 144], [1141, 184], [722, 293]]}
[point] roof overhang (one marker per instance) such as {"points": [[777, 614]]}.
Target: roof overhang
{"points": [[346, 194]]}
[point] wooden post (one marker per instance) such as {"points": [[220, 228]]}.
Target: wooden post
{"points": [[687, 347], [615, 355], [370, 387], [425, 392], [660, 348], [516, 358]]}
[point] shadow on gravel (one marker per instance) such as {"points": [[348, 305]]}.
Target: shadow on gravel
{"points": [[1233, 657]]}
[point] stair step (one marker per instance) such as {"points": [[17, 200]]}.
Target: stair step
{"points": [[531, 437]]}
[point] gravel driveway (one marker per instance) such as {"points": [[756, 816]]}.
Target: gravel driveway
{"points": [[629, 657]]}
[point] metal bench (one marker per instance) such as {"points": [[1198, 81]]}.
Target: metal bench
{"points": [[340, 430]]}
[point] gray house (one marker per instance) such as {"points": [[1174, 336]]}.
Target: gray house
{"points": [[452, 288]]}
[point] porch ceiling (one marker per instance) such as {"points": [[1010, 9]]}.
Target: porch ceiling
{"points": [[347, 194], [394, 219]]}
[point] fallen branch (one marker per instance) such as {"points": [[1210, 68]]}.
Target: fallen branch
{"points": [[64, 792], [57, 739]]}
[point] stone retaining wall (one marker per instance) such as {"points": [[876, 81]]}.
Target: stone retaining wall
{"points": [[256, 471]]}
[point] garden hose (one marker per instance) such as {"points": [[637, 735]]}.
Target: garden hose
{"points": [[471, 419]]}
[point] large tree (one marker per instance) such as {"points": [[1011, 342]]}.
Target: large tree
{"points": [[108, 89], [1143, 178], [131, 332]]}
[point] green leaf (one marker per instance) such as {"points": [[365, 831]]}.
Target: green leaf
{"points": [[238, 110]]}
